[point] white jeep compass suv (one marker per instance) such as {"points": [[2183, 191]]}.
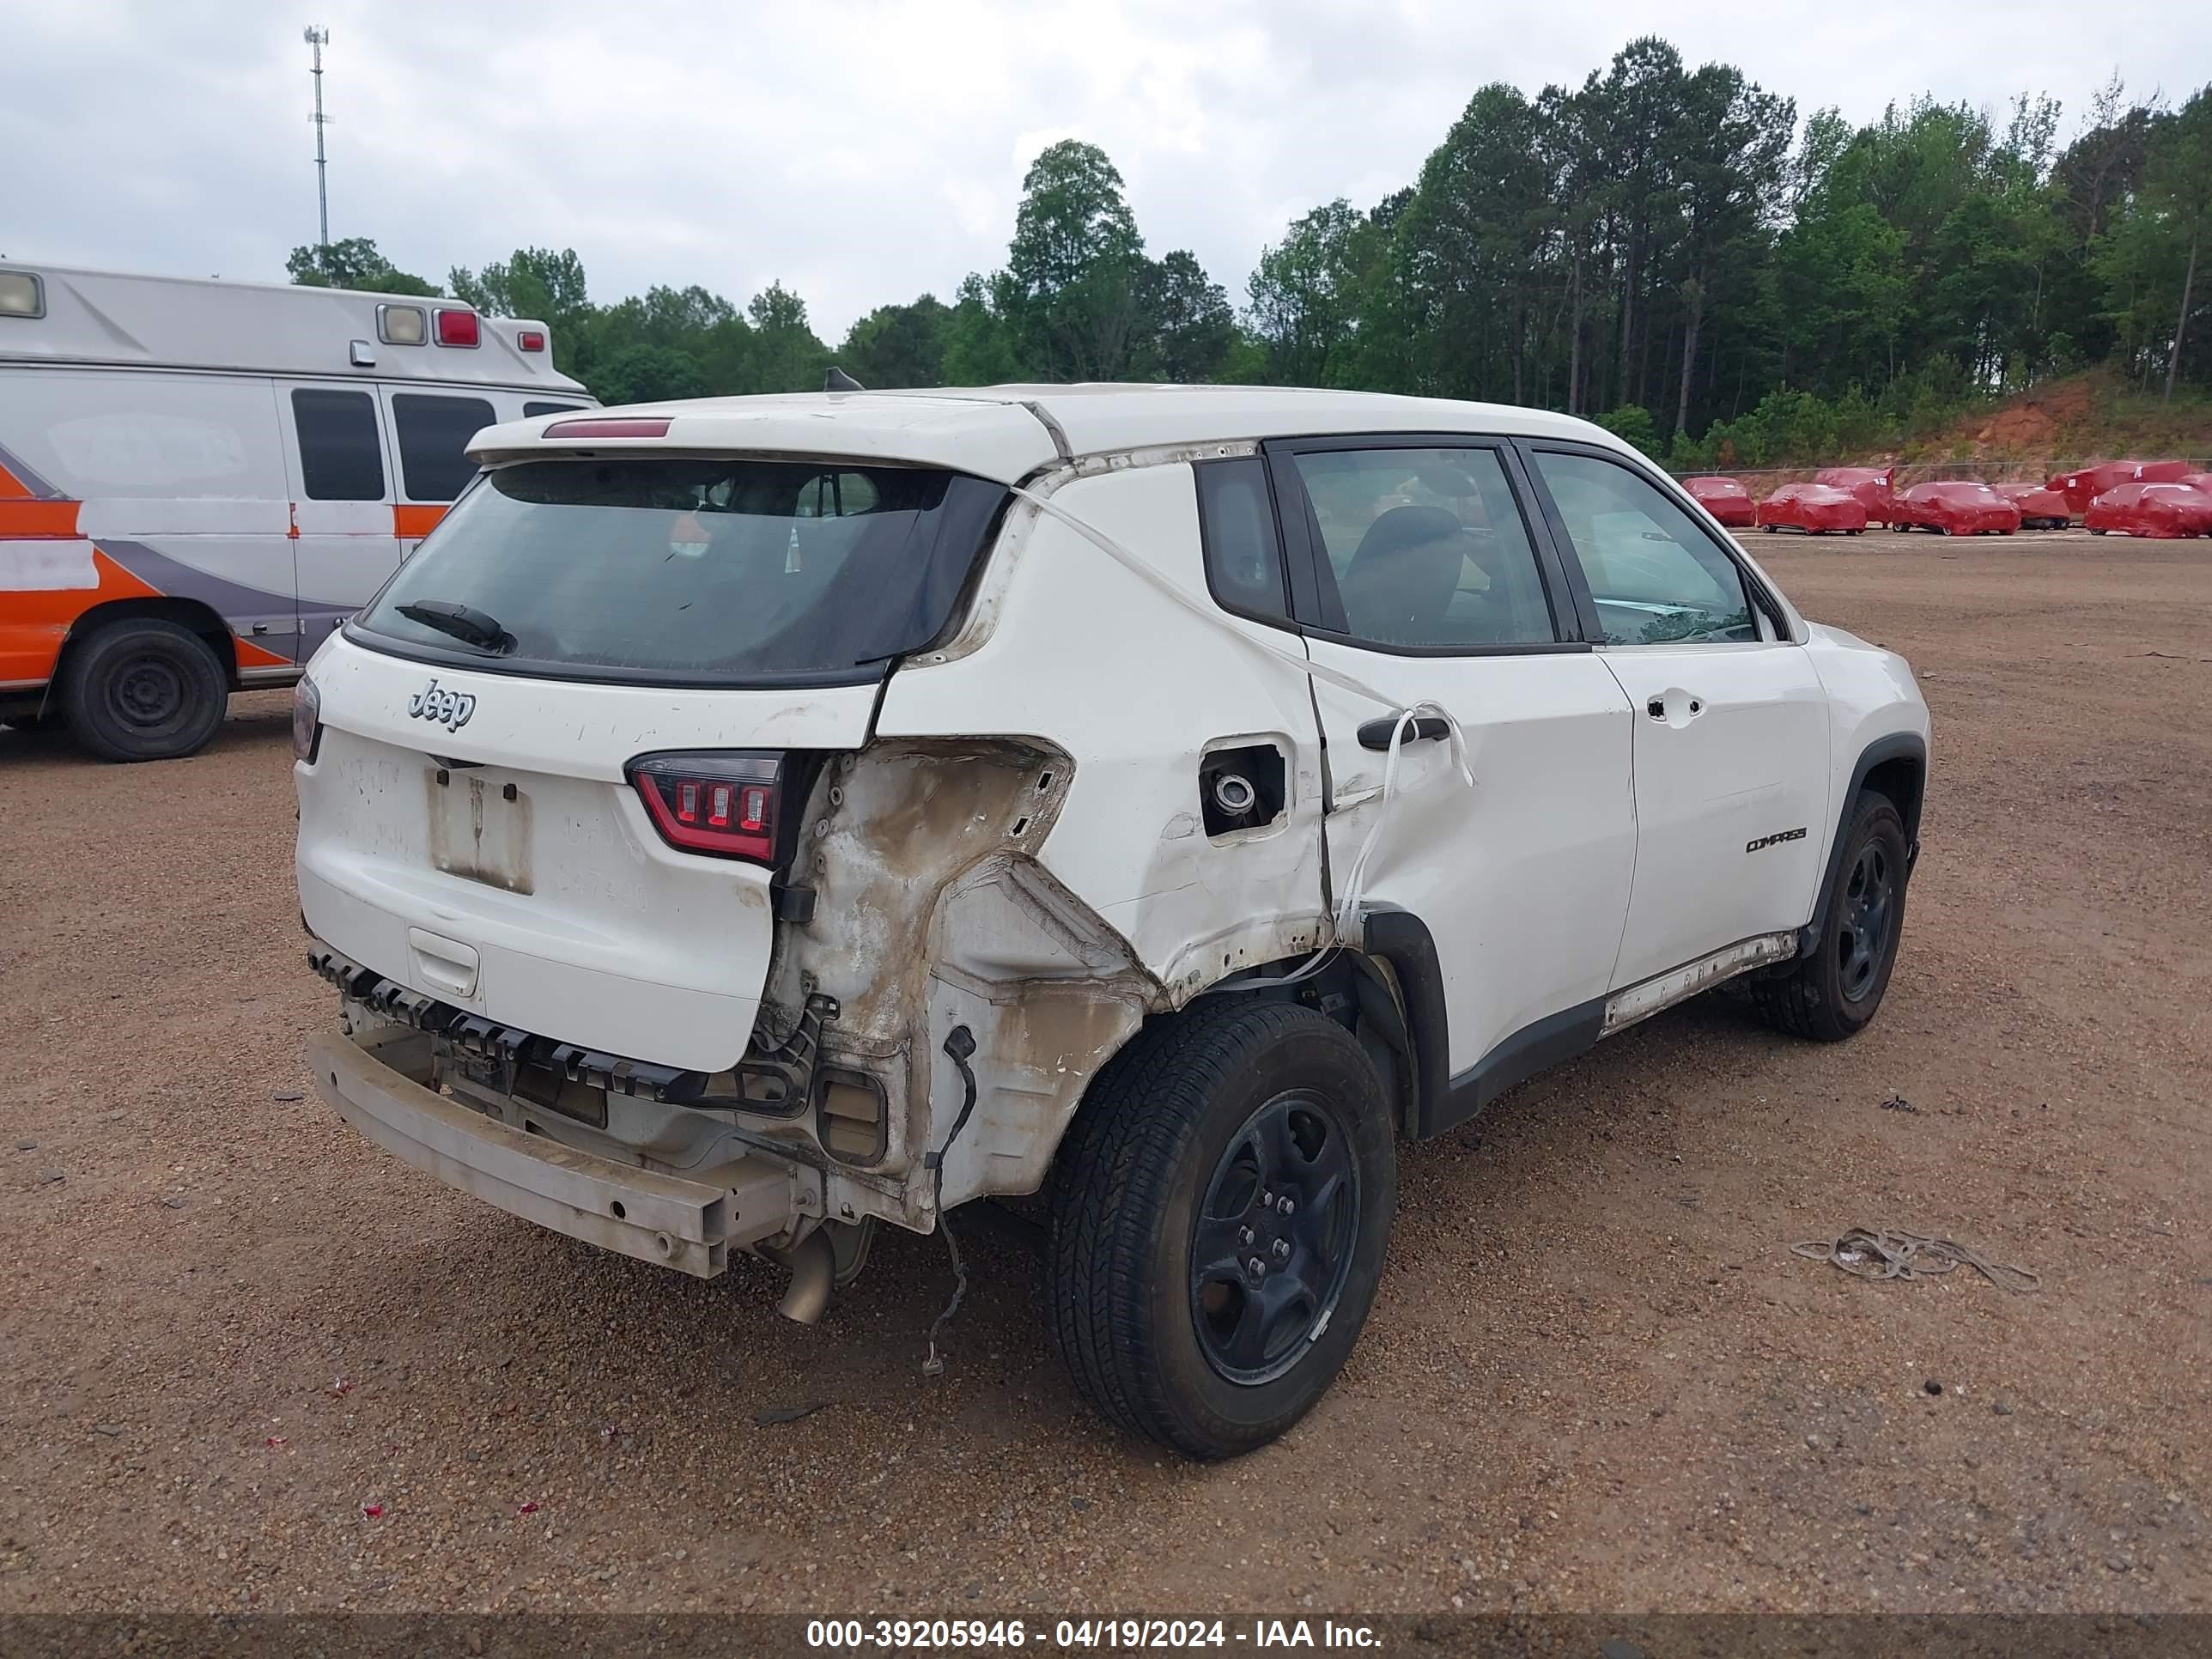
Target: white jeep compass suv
{"points": [[747, 822]]}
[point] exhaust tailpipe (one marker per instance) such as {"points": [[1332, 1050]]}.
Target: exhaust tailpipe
{"points": [[813, 1266]]}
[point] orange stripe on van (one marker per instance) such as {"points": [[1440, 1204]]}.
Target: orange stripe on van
{"points": [[409, 522], [250, 655], [12, 488], [21, 518], [33, 622]]}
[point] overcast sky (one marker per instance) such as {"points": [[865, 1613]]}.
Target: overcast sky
{"points": [[868, 152]]}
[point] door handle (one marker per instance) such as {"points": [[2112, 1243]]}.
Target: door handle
{"points": [[1657, 707], [1422, 728]]}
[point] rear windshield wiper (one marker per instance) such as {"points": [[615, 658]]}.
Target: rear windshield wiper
{"points": [[465, 623]]}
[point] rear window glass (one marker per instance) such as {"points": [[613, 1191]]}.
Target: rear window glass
{"points": [[531, 412], [684, 571], [432, 433], [341, 454]]}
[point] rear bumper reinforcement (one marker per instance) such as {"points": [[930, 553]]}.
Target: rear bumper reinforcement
{"points": [[688, 1225]]}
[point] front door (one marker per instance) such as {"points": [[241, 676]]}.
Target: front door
{"points": [[1432, 581], [1731, 744]]}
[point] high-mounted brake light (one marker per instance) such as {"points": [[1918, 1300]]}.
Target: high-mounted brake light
{"points": [[457, 328], [620, 426], [530, 339], [722, 803]]}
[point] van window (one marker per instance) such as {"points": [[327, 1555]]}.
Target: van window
{"points": [[433, 432], [684, 571], [340, 453], [150, 437], [531, 411]]}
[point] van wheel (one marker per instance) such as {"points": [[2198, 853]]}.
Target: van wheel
{"points": [[1832, 993], [1220, 1209], [143, 689]]}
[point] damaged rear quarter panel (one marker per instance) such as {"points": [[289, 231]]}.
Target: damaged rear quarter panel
{"points": [[1120, 904]]}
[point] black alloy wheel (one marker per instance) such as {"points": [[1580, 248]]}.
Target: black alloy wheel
{"points": [[1272, 1242]]}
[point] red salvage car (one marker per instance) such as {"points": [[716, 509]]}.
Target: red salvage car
{"points": [[2081, 487], [1957, 507], [1726, 499], [1813, 509], [2199, 480], [2151, 509], [1875, 487], [2041, 507]]}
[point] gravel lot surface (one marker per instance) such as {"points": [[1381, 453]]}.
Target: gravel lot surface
{"points": [[252, 1362]]}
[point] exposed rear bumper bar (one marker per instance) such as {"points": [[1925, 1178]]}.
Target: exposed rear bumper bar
{"points": [[688, 1225]]}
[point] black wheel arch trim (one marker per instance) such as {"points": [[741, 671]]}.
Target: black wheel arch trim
{"points": [[1897, 745], [1443, 1101]]}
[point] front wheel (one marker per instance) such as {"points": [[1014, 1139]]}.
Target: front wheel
{"points": [[1220, 1209], [143, 689], [1832, 993]]}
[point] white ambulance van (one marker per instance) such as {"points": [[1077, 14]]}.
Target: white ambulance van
{"points": [[200, 480]]}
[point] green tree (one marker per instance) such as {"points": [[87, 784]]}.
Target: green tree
{"points": [[1473, 246], [978, 344], [1632, 423], [639, 373], [534, 282], [1187, 318], [899, 345], [1071, 289], [2178, 194], [1305, 295], [1731, 152], [786, 355], [353, 262]]}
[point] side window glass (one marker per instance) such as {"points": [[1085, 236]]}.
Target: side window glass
{"points": [[433, 432], [1427, 546], [531, 411], [1236, 523], [341, 456], [1657, 578]]}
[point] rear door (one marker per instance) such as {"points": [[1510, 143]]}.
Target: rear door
{"points": [[1432, 580], [1731, 728], [339, 464]]}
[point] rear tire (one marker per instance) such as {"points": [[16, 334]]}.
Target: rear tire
{"points": [[1834, 994], [1235, 1126], [143, 689]]}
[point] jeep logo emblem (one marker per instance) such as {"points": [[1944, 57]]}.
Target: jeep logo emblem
{"points": [[449, 709]]}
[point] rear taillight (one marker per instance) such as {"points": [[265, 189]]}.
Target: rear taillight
{"points": [[307, 721], [722, 802], [530, 340]]}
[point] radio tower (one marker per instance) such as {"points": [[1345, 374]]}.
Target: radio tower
{"points": [[318, 37]]}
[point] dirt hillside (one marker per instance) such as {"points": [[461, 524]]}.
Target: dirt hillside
{"points": [[2091, 416]]}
